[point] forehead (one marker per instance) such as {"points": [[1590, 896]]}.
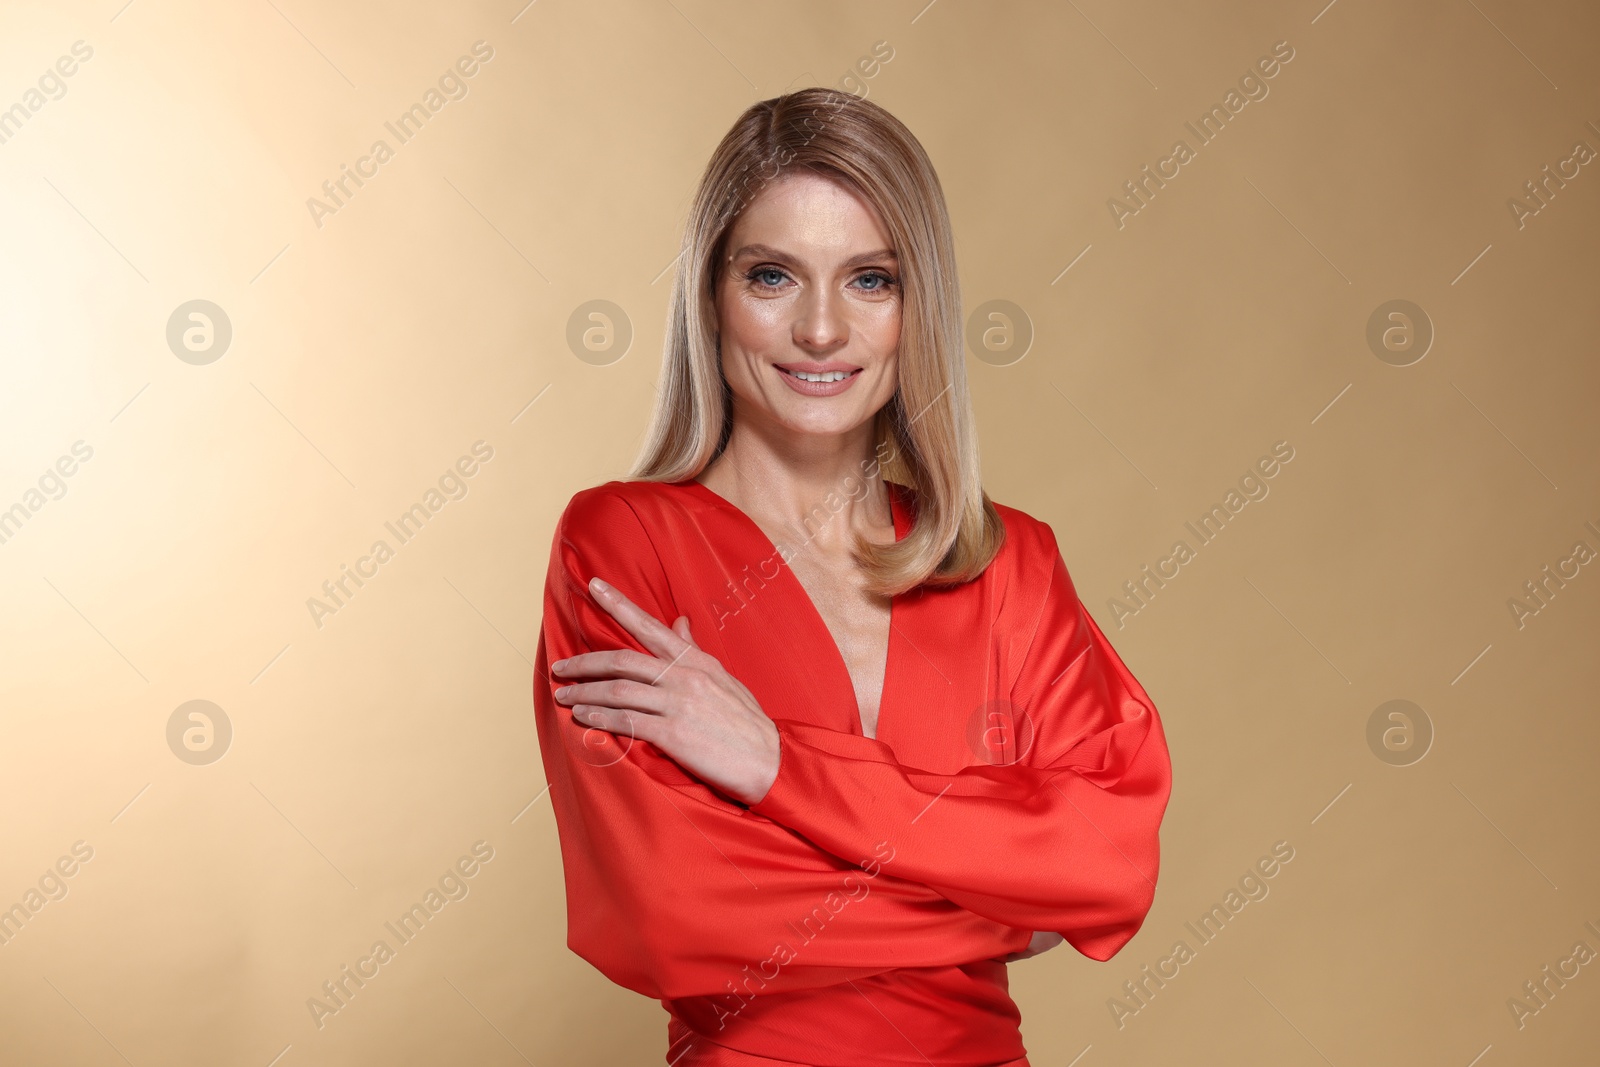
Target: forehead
{"points": [[809, 214]]}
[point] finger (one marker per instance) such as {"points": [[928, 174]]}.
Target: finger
{"points": [[619, 721], [616, 693], [681, 628], [649, 630], [611, 663]]}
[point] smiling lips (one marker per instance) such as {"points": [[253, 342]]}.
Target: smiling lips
{"points": [[811, 378]]}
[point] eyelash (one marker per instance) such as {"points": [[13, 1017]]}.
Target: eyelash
{"points": [[755, 273]]}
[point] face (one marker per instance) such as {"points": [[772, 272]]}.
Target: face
{"points": [[809, 289]]}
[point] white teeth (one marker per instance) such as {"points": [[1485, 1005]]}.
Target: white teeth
{"points": [[831, 376]]}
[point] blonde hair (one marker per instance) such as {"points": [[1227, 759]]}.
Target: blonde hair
{"points": [[926, 431]]}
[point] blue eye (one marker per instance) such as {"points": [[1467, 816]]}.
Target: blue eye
{"points": [[773, 278]]}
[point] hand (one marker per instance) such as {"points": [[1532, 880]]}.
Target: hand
{"points": [[680, 699], [1042, 941]]}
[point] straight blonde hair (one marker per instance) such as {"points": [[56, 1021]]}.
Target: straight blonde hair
{"points": [[926, 437]]}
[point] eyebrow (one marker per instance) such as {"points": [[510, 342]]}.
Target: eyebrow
{"points": [[768, 252]]}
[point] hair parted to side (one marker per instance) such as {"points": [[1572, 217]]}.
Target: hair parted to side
{"points": [[925, 435]]}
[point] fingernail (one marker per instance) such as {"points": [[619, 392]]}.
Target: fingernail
{"points": [[563, 691], [598, 586], [559, 665]]}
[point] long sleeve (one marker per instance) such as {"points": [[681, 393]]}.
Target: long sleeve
{"points": [[1063, 839], [674, 890]]}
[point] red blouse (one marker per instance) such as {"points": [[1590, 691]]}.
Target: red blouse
{"points": [[855, 913]]}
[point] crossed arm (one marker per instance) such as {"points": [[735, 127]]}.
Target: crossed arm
{"points": [[675, 889]]}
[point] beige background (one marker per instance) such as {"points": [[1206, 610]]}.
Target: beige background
{"points": [[431, 310]]}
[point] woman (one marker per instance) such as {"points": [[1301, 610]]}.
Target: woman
{"points": [[881, 749]]}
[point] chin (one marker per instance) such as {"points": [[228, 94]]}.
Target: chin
{"points": [[830, 424], [828, 428]]}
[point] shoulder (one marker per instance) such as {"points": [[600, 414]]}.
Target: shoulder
{"points": [[1027, 551], [1029, 569], [600, 534], [1031, 573], [611, 510], [613, 530], [1029, 540], [600, 505], [629, 512], [1024, 534]]}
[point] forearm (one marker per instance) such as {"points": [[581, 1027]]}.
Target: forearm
{"points": [[674, 891], [1071, 847]]}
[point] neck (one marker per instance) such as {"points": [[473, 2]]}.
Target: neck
{"points": [[810, 487]]}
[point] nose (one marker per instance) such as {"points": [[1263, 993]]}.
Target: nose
{"points": [[819, 322]]}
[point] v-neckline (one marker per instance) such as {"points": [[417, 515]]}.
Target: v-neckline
{"points": [[902, 521]]}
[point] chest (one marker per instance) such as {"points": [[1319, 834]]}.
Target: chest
{"points": [[857, 620], [920, 675]]}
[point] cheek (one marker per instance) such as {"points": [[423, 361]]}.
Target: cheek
{"points": [[881, 330], [753, 325]]}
